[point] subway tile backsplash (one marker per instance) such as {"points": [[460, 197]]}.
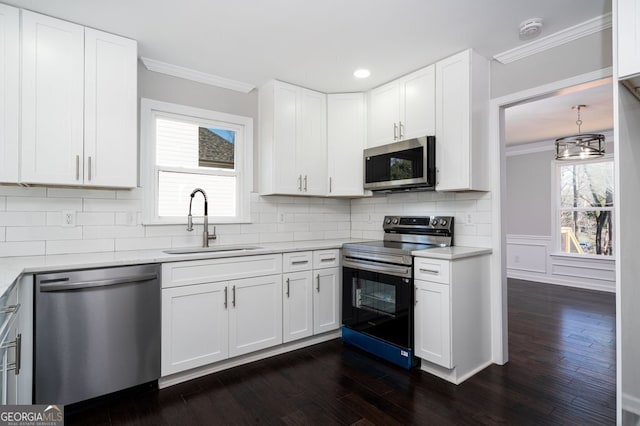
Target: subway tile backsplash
{"points": [[107, 220]]}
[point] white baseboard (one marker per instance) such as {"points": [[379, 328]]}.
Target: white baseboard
{"points": [[549, 279]]}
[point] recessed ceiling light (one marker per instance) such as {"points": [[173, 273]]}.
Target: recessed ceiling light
{"points": [[362, 73]]}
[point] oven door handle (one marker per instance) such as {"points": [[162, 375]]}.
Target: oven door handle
{"points": [[367, 265]]}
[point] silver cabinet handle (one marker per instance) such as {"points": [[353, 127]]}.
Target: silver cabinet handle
{"points": [[288, 293], [89, 167], [429, 271], [299, 262], [300, 183], [318, 285], [401, 132], [329, 184], [53, 286], [17, 344], [328, 259], [226, 290], [395, 131], [233, 300], [77, 167], [10, 309], [305, 183]]}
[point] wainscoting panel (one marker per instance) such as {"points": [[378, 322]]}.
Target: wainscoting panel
{"points": [[531, 257]]}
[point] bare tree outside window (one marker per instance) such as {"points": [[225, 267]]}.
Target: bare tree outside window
{"points": [[586, 207]]}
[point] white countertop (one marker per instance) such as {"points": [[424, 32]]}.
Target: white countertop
{"points": [[12, 267], [451, 253]]}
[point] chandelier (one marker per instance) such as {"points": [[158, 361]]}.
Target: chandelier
{"points": [[580, 146]]}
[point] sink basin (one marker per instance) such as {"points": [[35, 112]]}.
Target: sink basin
{"points": [[189, 250]]}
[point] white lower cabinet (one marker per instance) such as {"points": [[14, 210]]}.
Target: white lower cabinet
{"points": [[297, 305], [452, 316], [219, 308], [255, 314], [195, 326], [326, 300]]}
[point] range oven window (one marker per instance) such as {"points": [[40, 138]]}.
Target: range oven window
{"points": [[374, 296], [379, 305]]}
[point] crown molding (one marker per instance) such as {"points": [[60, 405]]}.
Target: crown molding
{"points": [[193, 75], [583, 29]]}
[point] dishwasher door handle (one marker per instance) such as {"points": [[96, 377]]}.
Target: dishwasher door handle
{"points": [[79, 285]]}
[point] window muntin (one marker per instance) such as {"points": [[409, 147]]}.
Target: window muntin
{"points": [[585, 207], [190, 148]]}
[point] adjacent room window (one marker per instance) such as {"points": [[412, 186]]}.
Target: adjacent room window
{"points": [[186, 148], [585, 207]]}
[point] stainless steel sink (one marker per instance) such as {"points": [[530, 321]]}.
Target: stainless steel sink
{"points": [[190, 250]]}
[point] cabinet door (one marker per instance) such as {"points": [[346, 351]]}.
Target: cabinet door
{"points": [[287, 178], [255, 315], [419, 103], [311, 143], [384, 114], [194, 326], [453, 120], [433, 323], [346, 124], [297, 306], [9, 92], [326, 300], [52, 100], [628, 38], [110, 126]]}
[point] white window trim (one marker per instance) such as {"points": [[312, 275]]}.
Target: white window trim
{"points": [[148, 174], [555, 203]]}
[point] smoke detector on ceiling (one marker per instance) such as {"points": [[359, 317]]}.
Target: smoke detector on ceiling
{"points": [[530, 28]]}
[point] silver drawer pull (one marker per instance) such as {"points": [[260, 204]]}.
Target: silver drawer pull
{"points": [[17, 344], [429, 271], [299, 262], [328, 259]]}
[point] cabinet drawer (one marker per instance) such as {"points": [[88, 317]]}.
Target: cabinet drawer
{"points": [[326, 258], [175, 274], [297, 261], [433, 270]]}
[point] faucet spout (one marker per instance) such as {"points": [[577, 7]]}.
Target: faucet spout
{"points": [[205, 235]]}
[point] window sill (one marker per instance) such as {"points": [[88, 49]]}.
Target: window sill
{"points": [[590, 257]]}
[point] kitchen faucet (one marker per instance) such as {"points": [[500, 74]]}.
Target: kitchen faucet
{"points": [[205, 235]]}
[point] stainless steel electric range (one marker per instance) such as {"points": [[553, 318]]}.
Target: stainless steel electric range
{"points": [[378, 289]]}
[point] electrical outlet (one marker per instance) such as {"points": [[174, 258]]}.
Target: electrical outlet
{"points": [[68, 218], [281, 218], [469, 219], [516, 259]]}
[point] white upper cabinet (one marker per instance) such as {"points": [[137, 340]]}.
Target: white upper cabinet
{"points": [[346, 123], [79, 96], [403, 109], [628, 38], [9, 92], [293, 140], [52, 100], [110, 102], [462, 103]]}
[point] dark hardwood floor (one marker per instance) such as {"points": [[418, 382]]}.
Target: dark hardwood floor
{"points": [[561, 371]]}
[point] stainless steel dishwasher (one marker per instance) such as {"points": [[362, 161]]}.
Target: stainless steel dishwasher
{"points": [[96, 331]]}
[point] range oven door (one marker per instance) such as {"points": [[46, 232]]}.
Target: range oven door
{"points": [[379, 305]]}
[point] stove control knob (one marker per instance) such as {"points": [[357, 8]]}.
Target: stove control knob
{"points": [[387, 221], [443, 222], [395, 221]]}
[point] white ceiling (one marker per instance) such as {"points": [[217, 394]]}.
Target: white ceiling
{"points": [[318, 44]]}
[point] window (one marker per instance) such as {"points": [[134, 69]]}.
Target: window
{"points": [[585, 207], [184, 148]]}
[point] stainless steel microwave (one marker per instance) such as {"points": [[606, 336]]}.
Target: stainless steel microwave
{"points": [[401, 166]]}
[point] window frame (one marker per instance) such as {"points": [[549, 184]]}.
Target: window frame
{"points": [[149, 171], [556, 207]]}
